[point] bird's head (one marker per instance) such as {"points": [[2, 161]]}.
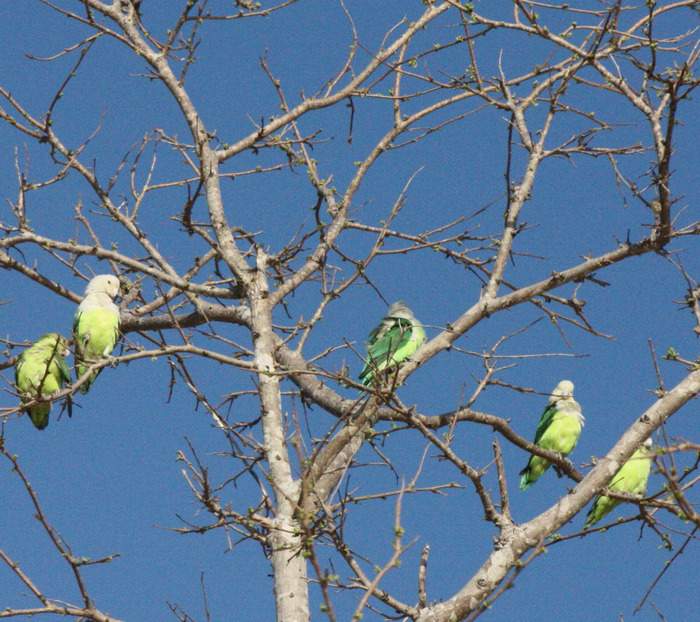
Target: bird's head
{"points": [[103, 284], [54, 341], [564, 390], [63, 345], [400, 309], [647, 443]]}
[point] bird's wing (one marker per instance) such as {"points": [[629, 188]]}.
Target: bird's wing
{"points": [[545, 421], [396, 337], [63, 370], [79, 345], [381, 349], [18, 367], [377, 332]]}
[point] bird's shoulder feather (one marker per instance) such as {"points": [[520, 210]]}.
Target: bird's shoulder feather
{"points": [[545, 421], [392, 338]]}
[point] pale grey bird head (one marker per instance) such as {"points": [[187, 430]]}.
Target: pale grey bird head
{"points": [[647, 443], [400, 310], [564, 390], [103, 284]]}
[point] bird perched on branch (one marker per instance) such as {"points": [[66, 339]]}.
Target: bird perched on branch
{"points": [[631, 479], [96, 325], [40, 372], [398, 336], [558, 430]]}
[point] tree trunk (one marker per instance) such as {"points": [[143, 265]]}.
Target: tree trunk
{"points": [[288, 563]]}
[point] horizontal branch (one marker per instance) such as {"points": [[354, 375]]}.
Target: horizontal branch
{"points": [[27, 237]]}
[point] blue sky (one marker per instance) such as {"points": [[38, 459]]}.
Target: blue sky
{"points": [[109, 478]]}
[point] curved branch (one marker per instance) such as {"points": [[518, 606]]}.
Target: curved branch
{"points": [[513, 545]]}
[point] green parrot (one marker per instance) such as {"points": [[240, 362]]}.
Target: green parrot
{"points": [[41, 371], [631, 479], [96, 325], [558, 430], [398, 336]]}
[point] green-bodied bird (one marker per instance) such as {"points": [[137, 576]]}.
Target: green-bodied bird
{"points": [[558, 430], [40, 372], [398, 336], [631, 479], [96, 325]]}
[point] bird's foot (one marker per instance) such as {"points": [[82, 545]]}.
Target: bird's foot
{"points": [[558, 470]]}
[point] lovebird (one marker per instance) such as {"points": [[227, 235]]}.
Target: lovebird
{"points": [[96, 325], [396, 338], [631, 479], [41, 371], [558, 430]]}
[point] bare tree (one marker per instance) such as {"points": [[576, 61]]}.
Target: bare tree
{"points": [[238, 299]]}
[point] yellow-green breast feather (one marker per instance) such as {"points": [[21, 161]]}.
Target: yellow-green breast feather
{"points": [[96, 331]]}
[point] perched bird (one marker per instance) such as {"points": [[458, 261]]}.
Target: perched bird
{"points": [[41, 371], [398, 336], [96, 325], [631, 479], [558, 430]]}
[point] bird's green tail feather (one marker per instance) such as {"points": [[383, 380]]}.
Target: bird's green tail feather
{"points": [[40, 415], [525, 482], [84, 388]]}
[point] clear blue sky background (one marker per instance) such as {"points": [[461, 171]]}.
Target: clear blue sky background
{"points": [[109, 479]]}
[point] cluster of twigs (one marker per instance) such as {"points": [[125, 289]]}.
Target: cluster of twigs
{"points": [[237, 280]]}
